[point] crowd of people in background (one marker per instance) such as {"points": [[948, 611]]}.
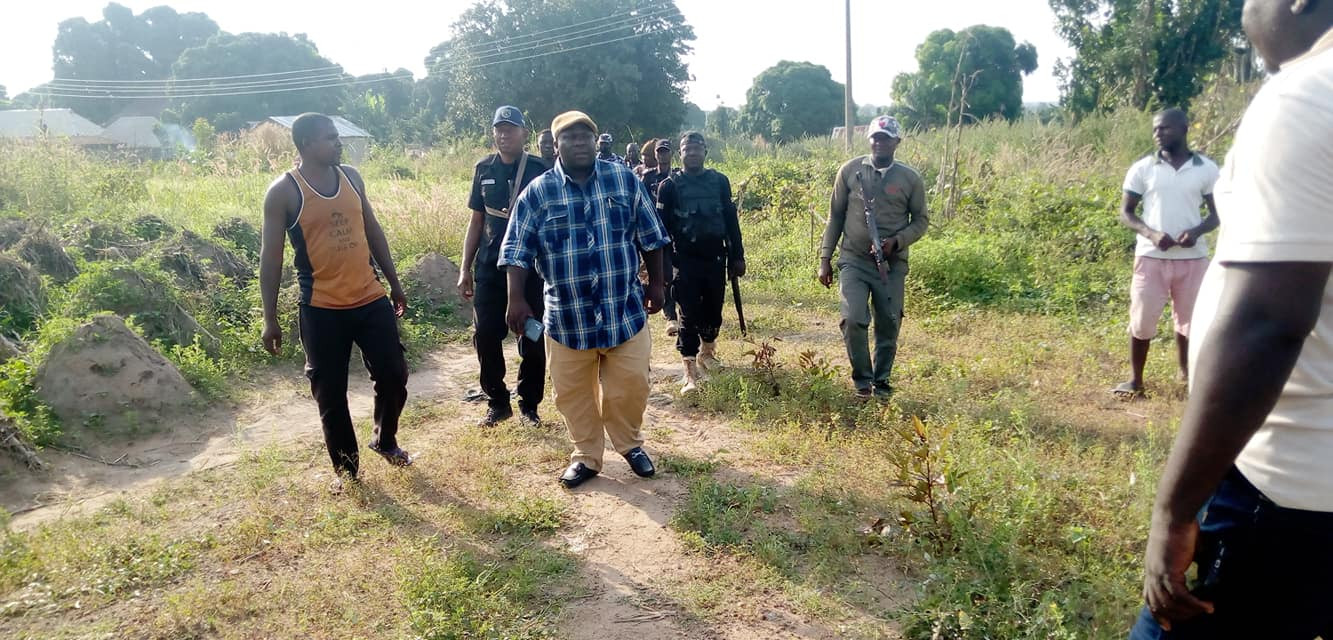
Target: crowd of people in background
{"points": [[572, 249]]}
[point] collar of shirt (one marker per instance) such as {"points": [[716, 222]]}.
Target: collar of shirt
{"points": [[870, 162], [1195, 160], [1324, 43]]}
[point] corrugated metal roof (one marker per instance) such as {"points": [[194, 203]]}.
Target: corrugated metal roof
{"points": [[28, 123], [135, 131], [345, 129]]}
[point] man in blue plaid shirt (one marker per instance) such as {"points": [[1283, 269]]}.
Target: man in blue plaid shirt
{"points": [[583, 226]]}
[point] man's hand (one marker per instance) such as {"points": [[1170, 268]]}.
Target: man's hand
{"points": [[518, 315], [1170, 553], [825, 273], [399, 301], [736, 268], [272, 337], [654, 298], [1189, 237], [465, 285], [1161, 240], [887, 246]]}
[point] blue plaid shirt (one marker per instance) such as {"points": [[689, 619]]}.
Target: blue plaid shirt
{"points": [[585, 243]]}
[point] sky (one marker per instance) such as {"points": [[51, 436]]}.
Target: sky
{"points": [[735, 39]]}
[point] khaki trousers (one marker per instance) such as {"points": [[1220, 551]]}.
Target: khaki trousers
{"points": [[601, 392]]}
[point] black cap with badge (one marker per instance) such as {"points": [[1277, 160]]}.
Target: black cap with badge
{"points": [[509, 114]]}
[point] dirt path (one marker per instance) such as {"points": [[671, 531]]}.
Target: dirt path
{"points": [[283, 412], [634, 564]]}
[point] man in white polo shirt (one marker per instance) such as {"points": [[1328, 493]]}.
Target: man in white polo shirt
{"points": [[1247, 492], [1171, 255]]}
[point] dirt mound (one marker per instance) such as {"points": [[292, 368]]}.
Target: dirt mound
{"points": [[149, 227], [8, 349], [44, 252], [242, 235], [433, 282], [106, 241], [140, 296], [11, 231], [196, 260], [107, 374], [22, 295]]}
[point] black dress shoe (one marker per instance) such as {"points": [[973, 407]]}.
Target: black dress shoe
{"points": [[496, 415], [640, 463], [577, 474]]}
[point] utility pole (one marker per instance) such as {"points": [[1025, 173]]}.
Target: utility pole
{"points": [[849, 116]]}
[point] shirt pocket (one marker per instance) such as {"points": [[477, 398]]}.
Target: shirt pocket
{"points": [[556, 230], [620, 217], [496, 194]]}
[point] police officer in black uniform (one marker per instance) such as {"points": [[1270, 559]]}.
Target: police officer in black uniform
{"points": [[697, 210], [496, 183]]}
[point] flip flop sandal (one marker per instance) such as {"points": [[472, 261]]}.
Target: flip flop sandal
{"points": [[397, 457], [1124, 391]]}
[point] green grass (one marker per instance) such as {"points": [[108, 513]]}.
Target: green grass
{"points": [[1016, 510]]}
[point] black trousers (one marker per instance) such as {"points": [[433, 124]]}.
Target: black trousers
{"points": [[669, 300], [327, 336], [490, 301], [700, 289]]}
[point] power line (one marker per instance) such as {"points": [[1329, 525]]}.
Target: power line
{"points": [[247, 75], [322, 77], [329, 80], [484, 51], [499, 44], [110, 96]]}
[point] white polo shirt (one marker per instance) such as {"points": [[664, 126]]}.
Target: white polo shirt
{"points": [[1171, 201], [1275, 197]]}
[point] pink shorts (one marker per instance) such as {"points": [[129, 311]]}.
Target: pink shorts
{"points": [[1157, 280]]}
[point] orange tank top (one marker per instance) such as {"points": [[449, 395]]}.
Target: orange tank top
{"points": [[333, 264]]}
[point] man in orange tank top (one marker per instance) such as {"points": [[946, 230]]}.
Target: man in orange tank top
{"points": [[322, 208]]}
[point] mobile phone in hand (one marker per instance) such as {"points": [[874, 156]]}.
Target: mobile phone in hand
{"points": [[532, 329]]}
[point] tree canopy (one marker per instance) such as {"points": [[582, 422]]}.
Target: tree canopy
{"points": [[1142, 53], [721, 122], [256, 53], [791, 100], [621, 61], [982, 62], [123, 46]]}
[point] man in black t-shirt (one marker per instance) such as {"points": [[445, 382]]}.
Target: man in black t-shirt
{"points": [[496, 183]]}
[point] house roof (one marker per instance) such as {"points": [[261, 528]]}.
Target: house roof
{"points": [[345, 128], [32, 123], [135, 131]]}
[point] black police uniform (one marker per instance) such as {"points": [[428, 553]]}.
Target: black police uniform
{"points": [[491, 183], [705, 234]]}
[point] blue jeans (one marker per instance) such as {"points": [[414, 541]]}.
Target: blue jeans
{"points": [[1268, 570]]}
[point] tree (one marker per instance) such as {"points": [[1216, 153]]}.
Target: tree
{"points": [[695, 118], [979, 62], [721, 122], [256, 53], [627, 70], [791, 100], [385, 105], [121, 46], [1143, 53]]}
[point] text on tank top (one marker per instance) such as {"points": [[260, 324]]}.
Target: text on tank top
{"points": [[333, 263]]}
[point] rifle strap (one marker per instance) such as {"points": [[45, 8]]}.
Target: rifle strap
{"points": [[867, 199], [513, 190]]}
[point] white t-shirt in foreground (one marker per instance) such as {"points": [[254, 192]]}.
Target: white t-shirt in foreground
{"points": [[1171, 201], [1275, 198]]}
